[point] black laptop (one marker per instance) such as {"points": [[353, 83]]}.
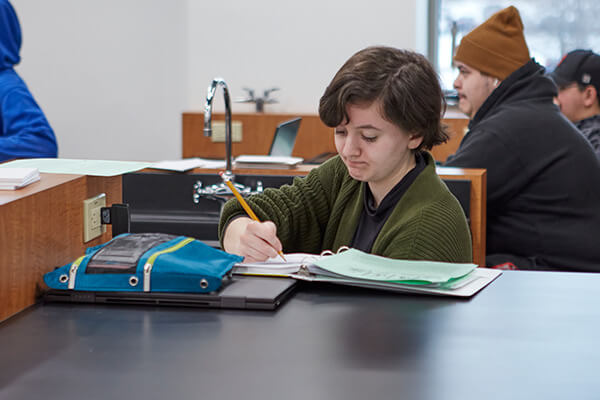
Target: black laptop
{"points": [[240, 292]]}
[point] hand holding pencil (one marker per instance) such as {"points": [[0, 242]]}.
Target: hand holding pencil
{"points": [[252, 215]]}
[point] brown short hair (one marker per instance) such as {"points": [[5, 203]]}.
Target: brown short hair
{"points": [[403, 82]]}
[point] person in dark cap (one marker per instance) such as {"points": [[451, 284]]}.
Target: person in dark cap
{"points": [[24, 129], [543, 178], [578, 79]]}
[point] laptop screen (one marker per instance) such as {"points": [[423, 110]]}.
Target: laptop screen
{"points": [[285, 137]]}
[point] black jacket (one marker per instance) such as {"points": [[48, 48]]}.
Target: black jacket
{"points": [[543, 178]]}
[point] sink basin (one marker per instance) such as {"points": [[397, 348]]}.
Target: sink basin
{"points": [[163, 202]]}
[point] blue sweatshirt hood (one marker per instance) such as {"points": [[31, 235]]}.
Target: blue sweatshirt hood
{"points": [[10, 36]]}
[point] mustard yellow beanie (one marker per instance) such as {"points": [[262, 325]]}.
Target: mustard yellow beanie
{"points": [[497, 47]]}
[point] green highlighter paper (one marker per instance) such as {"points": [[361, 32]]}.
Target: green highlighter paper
{"points": [[78, 167], [356, 264]]}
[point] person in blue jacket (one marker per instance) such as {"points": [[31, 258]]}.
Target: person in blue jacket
{"points": [[25, 131]]}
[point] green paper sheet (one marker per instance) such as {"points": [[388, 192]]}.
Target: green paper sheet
{"points": [[78, 167], [356, 264]]}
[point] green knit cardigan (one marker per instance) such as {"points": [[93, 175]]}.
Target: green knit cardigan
{"points": [[321, 212]]}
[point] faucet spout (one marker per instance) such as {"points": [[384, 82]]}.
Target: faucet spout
{"points": [[212, 88]]}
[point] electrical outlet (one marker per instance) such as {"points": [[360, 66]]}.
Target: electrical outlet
{"points": [[218, 131], [92, 223]]}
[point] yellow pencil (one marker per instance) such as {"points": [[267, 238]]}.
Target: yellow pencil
{"points": [[245, 205]]}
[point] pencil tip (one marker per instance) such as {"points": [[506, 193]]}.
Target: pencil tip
{"points": [[281, 254]]}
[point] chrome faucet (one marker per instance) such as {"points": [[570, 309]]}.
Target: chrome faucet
{"points": [[208, 121], [221, 191]]}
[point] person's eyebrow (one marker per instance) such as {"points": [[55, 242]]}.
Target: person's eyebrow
{"points": [[368, 126]]}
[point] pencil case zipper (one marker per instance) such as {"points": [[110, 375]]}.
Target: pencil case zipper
{"points": [[150, 262]]}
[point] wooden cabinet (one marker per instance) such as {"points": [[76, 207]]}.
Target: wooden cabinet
{"points": [[41, 227]]}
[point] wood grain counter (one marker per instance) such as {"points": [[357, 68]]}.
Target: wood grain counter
{"points": [[41, 227]]}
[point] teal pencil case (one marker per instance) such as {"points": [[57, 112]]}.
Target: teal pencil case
{"points": [[146, 262]]}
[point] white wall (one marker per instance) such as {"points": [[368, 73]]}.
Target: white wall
{"points": [[297, 46], [114, 76], [110, 75]]}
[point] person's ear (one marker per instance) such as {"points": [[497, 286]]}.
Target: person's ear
{"points": [[414, 141], [589, 96]]}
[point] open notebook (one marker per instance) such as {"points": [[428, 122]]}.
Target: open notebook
{"points": [[356, 268]]}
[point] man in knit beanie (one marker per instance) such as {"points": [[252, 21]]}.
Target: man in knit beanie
{"points": [[493, 50], [543, 178]]}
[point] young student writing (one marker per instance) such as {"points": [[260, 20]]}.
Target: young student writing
{"points": [[381, 194]]}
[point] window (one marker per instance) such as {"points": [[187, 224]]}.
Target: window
{"points": [[552, 28]]}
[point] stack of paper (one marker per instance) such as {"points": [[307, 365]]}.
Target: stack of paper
{"points": [[355, 264], [188, 163], [15, 178], [257, 162]]}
